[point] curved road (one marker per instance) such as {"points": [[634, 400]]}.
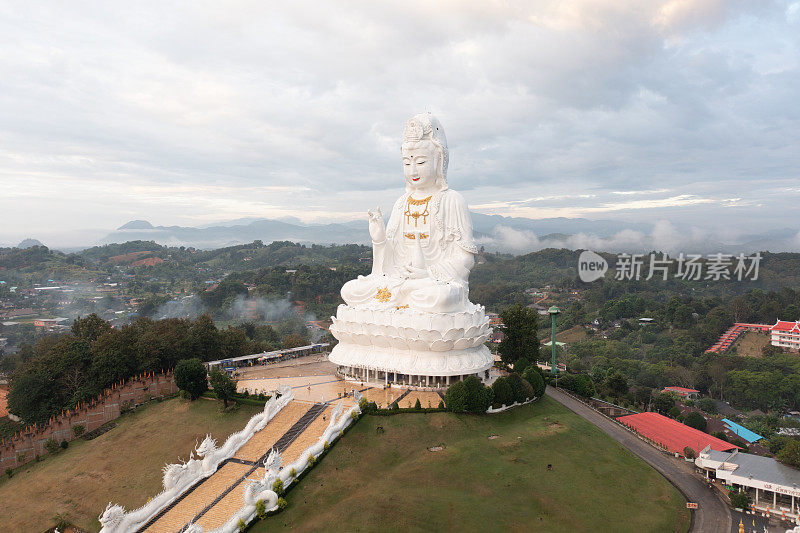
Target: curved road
{"points": [[712, 513]]}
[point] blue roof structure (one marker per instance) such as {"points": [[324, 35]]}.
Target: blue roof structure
{"points": [[741, 431]]}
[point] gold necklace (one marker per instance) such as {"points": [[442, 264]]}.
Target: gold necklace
{"points": [[416, 214]]}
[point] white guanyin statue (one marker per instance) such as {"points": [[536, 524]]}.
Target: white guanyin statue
{"points": [[410, 321]]}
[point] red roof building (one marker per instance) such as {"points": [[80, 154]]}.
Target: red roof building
{"points": [[785, 334], [671, 434], [683, 392]]}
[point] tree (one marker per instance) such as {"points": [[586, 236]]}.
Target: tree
{"points": [[31, 397], [580, 384], [617, 383], [204, 339], [224, 387], [790, 454], [674, 412], [293, 341], [190, 375], [695, 420], [534, 376], [689, 453], [90, 327], [642, 395], [707, 405], [520, 334], [663, 402], [520, 365]]}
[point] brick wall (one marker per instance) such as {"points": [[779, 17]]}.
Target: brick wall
{"points": [[91, 415]]}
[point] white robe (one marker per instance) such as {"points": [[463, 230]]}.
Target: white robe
{"points": [[449, 253]]}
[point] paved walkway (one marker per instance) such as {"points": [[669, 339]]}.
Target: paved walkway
{"points": [[712, 514]]}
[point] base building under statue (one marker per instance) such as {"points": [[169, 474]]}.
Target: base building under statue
{"points": [[411, 348]]}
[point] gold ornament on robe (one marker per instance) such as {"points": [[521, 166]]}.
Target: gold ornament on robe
{"points": [[416, 214], [383, 295]]}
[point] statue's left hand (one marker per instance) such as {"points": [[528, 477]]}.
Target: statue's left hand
{"points": [[377, 229]]}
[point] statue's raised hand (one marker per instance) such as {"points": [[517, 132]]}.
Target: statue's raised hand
{"points": [[377, 229]]}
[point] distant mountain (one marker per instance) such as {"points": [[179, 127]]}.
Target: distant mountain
{"points": [[29, 243], [494, 232], [247, 230], [229, 235], [136, 224]]}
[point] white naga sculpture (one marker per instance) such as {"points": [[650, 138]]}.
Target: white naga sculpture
{"points": [[410, 321]]}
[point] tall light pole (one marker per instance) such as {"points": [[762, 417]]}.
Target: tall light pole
{"points": [[554, 311]]}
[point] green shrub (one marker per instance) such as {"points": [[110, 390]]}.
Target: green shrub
{"points": [[311, 459], [363, 404], [534, 377], [417, 405], [469, 396], [521, 390], [51, 445], [520, 365], [501, 391], [695, 420], [61, 521], [739, 500], [326, 446], [64, 445], [78, 430], [673, 412], [261, 509], [354, 415], [441, 404], [242, 525], [277, 487], [282, 504], [293, 473], [9, 473]]}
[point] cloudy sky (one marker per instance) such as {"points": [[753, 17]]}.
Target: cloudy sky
{"points": [[681, 111]]}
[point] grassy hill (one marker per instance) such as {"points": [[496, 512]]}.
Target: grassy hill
{"points": [[389, 481], [123, 465]]}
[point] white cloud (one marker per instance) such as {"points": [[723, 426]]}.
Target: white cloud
{"points": [[553, 108]]}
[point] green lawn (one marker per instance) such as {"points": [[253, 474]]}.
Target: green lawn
{"points": [[389, 481], [123, 465]]}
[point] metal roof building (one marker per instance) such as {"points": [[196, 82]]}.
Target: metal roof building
{"points": [[277, 354], [671, 434], [758, 476], [741, 431]]}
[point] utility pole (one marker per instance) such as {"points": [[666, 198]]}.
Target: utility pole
{"points": [[554, 311]]}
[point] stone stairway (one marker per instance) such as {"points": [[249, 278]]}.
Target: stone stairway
{"points": [[229, 501], [213, 500]]}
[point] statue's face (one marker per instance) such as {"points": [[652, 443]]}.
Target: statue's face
{"points": [[420, 164]]}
